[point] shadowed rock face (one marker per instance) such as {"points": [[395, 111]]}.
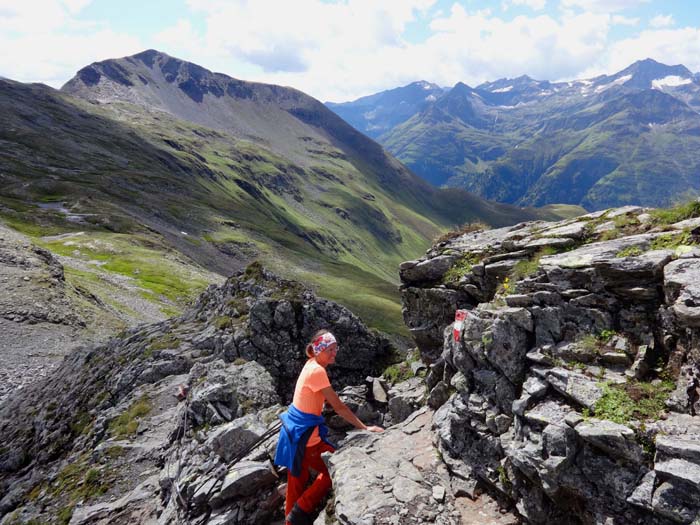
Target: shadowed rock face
{"points": [[553, 347]]}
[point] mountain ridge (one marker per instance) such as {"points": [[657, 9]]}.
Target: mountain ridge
{"points": [[286, 181], [514, 140]]}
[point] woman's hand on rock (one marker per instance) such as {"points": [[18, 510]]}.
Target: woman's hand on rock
{"points": [[374, 428]]}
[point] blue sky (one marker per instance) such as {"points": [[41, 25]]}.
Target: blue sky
{"points": [[340, 50]]}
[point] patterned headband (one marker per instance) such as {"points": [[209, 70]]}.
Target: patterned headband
{"points": [[322, 342]]}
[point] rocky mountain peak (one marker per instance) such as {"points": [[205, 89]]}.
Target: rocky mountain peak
{"points": [[143, 72], [648, 73], [461, 88]]}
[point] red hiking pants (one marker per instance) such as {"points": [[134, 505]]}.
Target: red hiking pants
{"points": [[309, 499]]}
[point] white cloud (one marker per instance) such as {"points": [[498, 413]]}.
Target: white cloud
{"points": [[49, 44], [602, 6], [75, 6], [286, 36], [481, 47], [341, 50], [535, 5], [669, 46], [624, 20], [327, 49], [662, 21], [345, 50]]}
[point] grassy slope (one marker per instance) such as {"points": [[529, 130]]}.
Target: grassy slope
{"points": [[109, 172], [163, 198]]}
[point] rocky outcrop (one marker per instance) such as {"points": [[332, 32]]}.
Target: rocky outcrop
{"points": [[563, 392], [398, 477], [38, 318], [144, 428], [567, 380]]}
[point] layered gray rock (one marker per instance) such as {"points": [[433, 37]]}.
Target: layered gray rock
{"points": [[142, 428], [393, 478], [596, 316]]}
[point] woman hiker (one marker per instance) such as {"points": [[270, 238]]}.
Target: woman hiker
{"points": [[302, 437]]}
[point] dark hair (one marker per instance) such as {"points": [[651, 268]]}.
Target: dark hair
{"points": [[310, 346]]}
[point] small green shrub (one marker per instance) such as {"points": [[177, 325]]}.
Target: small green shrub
{"points": [[126, 424], [525, 268], [677, 213], [81, 423], [577, 365], [161, 343], [671, 241], [648, 443], [503, 477], [64, 515], [115, 452], [605, 335], [397, 373], [595, 343], [465, 228], [528, 267], [459, 269], [631, 251], [222, 322], [625, 222], [75, 484], [254, 271], [633, 400], [609, 235], [590, 343]]}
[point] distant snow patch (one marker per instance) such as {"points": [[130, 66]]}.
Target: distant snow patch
{"points": [[502, 90], [184, 233], [616, 82], [431, 98], [622, 79], [669, 81]]}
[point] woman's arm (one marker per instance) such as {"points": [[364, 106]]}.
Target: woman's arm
{"points": [[343, 411]]}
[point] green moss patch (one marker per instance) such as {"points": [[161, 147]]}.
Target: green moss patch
{"points": [[672, 241], [163, 342], [401, 371], [630, 251], [460, 268], [528, 267], [634, 400], [126, 424], [677, 213]]}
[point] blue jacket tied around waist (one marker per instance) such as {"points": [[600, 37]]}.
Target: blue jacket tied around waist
{"points": [[297, 427]]}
